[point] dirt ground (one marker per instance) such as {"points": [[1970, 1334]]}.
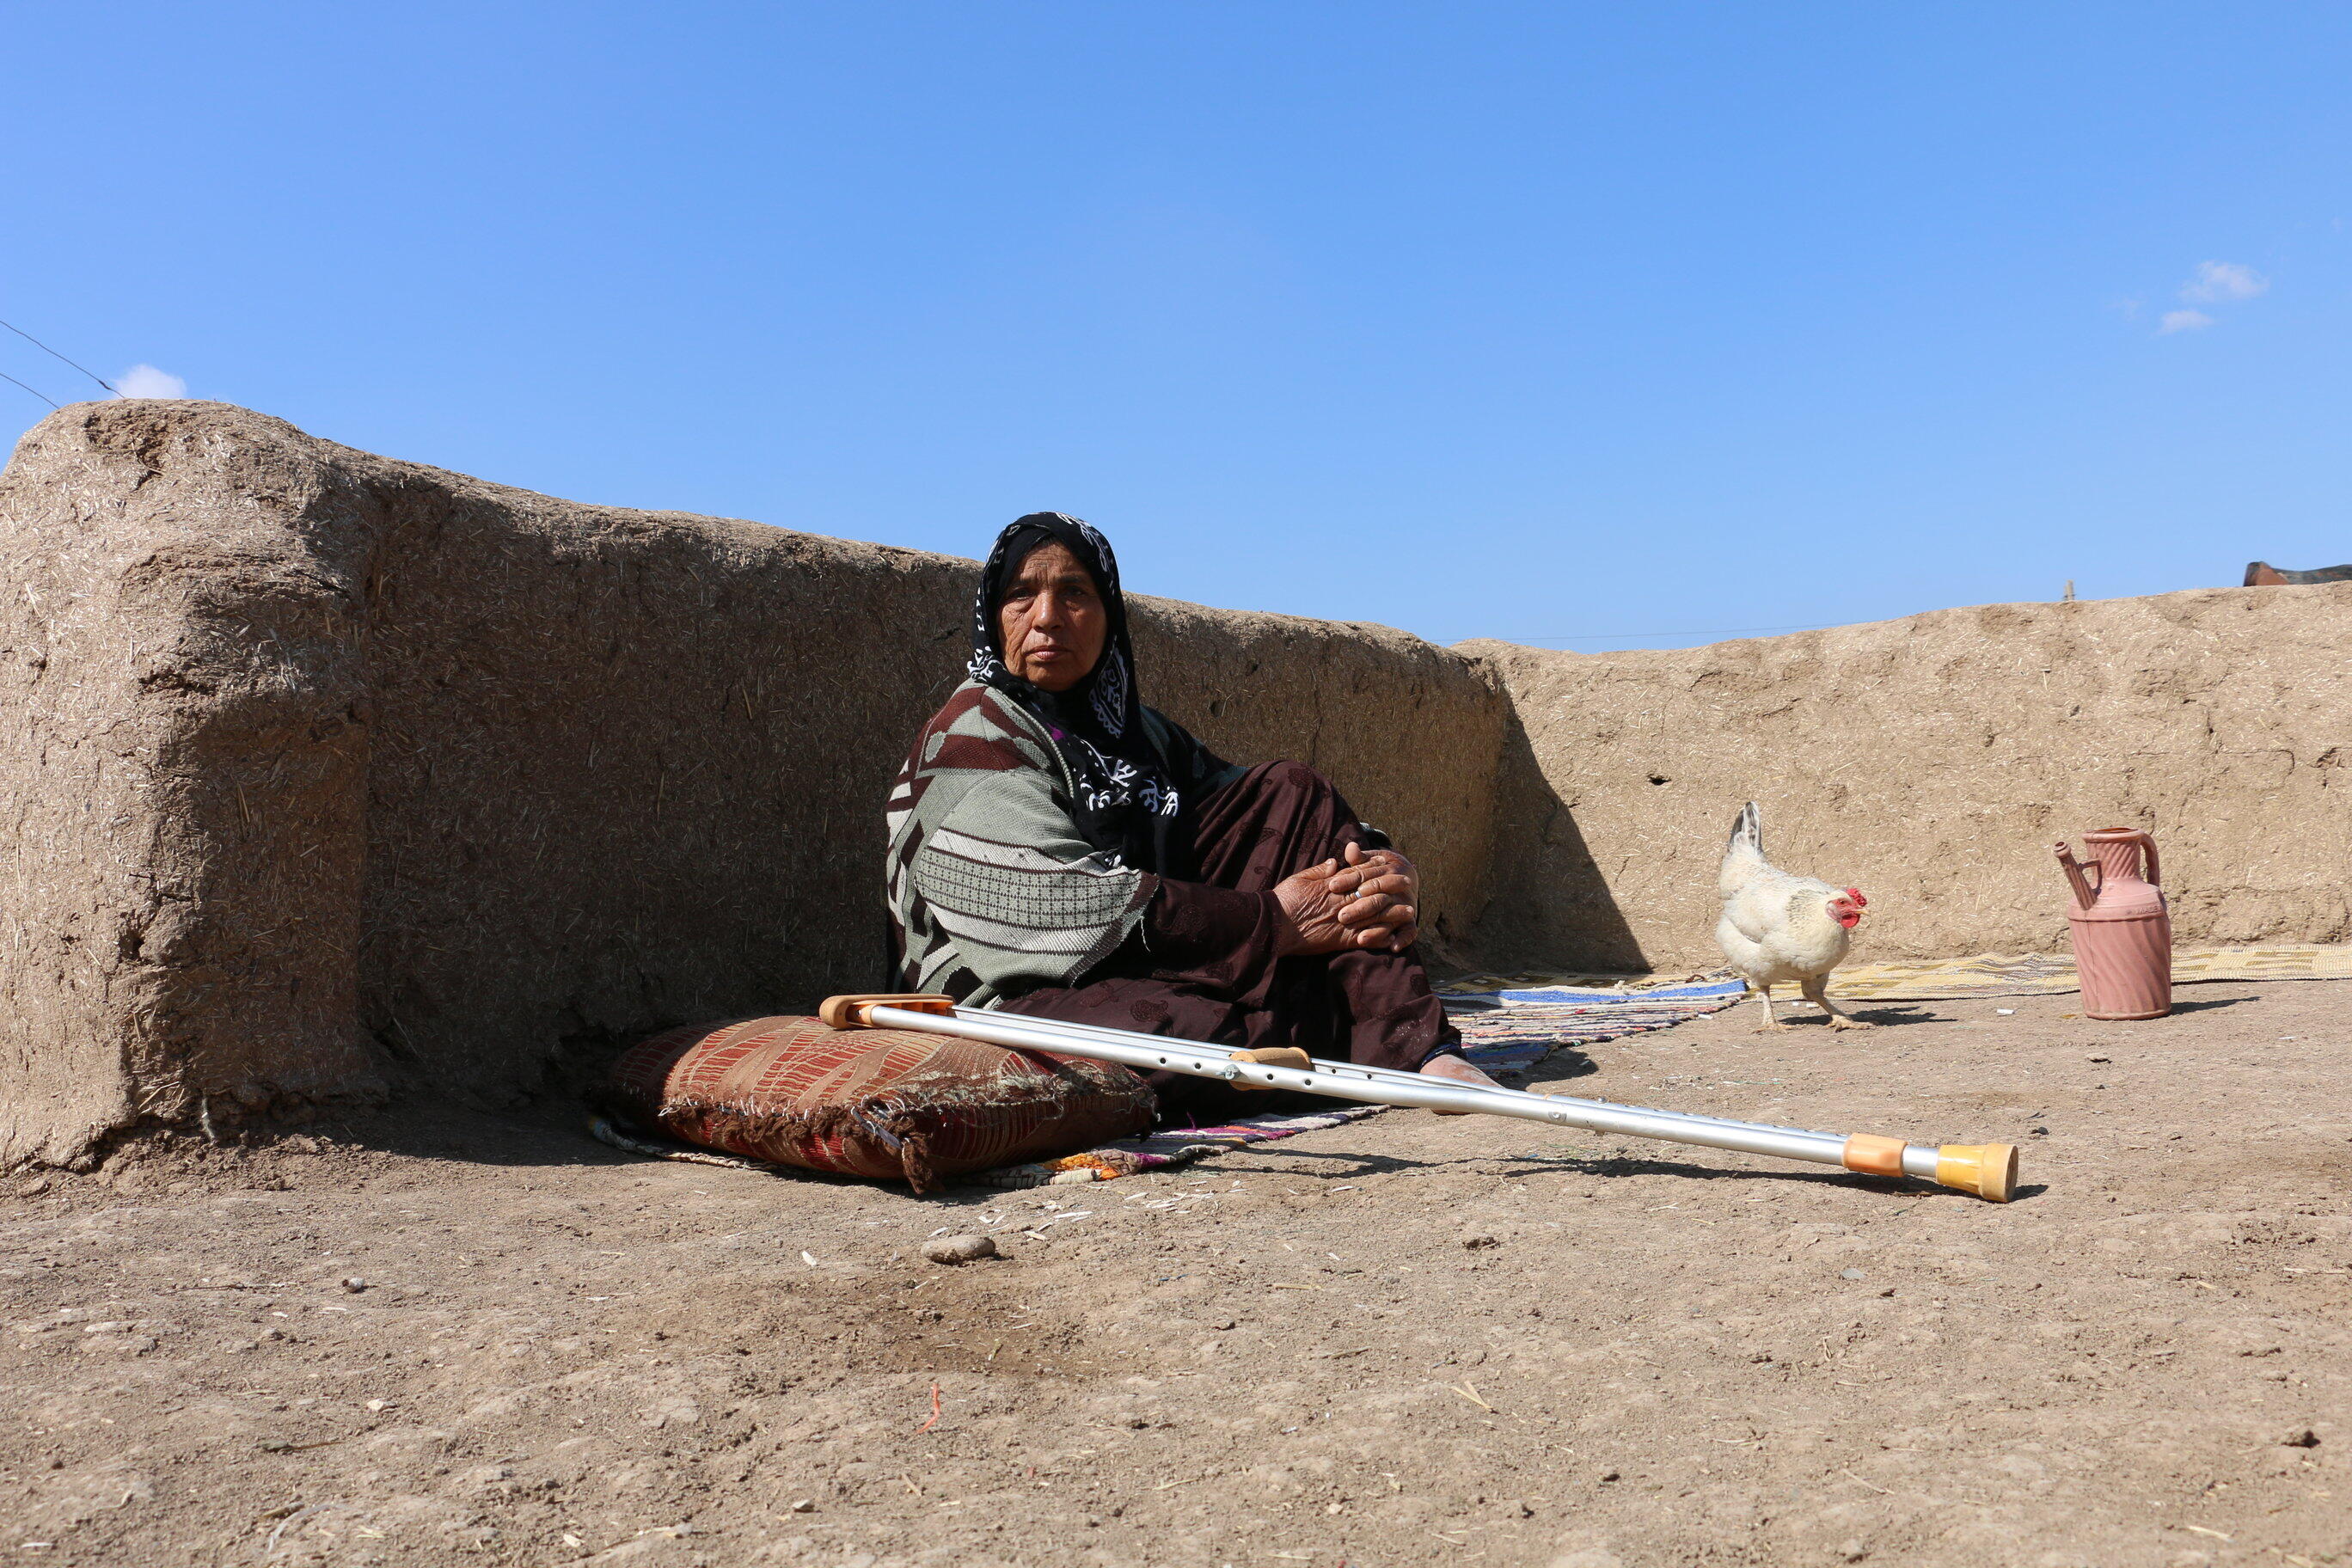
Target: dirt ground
{"points": [[477, 1340]]}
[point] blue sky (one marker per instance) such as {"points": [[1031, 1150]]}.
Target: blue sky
{"points": [[1539, 321]]}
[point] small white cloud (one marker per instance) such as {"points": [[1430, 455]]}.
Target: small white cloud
{"points": [[2184, 321], [2217, 280], [146, 380]]}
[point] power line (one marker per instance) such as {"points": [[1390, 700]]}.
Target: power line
{"points": [[55, 355], [42, 395]]}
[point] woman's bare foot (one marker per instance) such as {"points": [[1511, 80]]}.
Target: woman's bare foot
{"points": [[1454, 1070]]}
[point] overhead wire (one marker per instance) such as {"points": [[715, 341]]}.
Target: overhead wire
{"points": [[35, 391], [55, 355]]}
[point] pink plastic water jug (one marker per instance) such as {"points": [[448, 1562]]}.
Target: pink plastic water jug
{"points": [[2123, 935]]}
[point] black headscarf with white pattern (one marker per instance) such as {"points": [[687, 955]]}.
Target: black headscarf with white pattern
{"points": [[1128, 802]]}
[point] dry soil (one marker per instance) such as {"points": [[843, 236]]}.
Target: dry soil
{"points": [[467, 1340]]}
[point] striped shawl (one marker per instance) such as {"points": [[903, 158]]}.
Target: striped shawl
{"points": [[991, 889]]}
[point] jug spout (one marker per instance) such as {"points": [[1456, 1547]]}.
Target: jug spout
{"points": [[2084, 894]]}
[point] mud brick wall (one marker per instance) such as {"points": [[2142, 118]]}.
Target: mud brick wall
{"points": [[331, 775], [328, 776], [1932, 762]]}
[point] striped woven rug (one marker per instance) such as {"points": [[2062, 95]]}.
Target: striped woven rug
{"points": [[2048, 973], [1509, 1025]]}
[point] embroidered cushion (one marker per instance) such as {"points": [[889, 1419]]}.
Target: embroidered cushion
{"points": [[879, 1103]]}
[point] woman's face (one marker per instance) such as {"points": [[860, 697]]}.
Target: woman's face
{"points": [[1053, 622]]}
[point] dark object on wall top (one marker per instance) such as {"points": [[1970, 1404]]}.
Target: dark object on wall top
{"points": [[2262, 574]]}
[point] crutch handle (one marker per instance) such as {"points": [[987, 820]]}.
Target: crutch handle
{"points": [[1273, 1056], [854, 1012]]}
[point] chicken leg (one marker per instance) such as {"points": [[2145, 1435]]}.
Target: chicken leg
{"points": [[1817, 992], [1764, 995]]}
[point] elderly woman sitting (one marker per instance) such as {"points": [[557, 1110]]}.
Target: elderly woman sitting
{"points": [[1059, 849]]}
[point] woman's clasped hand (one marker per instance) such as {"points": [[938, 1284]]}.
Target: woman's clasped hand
{"points": [[1365, 899]]}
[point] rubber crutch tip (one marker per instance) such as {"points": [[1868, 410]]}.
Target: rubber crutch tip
{"points": [[1988, 1170]]}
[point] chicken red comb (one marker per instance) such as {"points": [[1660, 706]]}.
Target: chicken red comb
{"points": [[1855, 894]]}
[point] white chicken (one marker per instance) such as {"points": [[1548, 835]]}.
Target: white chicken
{"points": [[1777, 928]]}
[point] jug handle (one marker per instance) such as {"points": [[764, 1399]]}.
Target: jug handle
{"points": [[2154, 870]]}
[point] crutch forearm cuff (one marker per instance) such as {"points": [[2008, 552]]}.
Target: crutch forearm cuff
{"points": [[1874, 1156]]}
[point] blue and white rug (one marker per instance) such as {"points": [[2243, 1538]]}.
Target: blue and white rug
{"points": [[1512, 1026]]}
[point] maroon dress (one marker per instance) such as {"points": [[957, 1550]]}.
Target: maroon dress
{"points": [[1203, 965]]}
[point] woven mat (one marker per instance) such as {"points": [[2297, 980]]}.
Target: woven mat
{"points": [[1508, 1025], [1946, 979], [2041, 974]]}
